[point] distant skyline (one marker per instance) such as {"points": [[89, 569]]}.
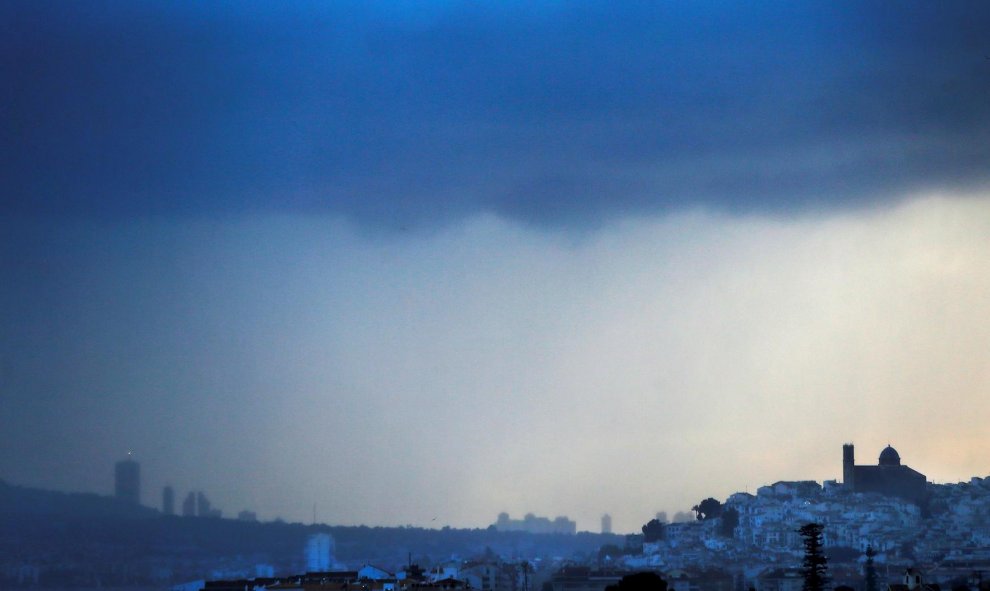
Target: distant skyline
{"points": [[604, 523], [424, 263]]}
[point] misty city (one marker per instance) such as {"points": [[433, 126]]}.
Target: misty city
{"points": [[370, 295]]}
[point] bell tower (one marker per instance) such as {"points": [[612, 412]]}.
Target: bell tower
{"points": [[849, 466]]}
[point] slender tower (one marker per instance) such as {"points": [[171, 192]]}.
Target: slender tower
{"points": [[127, 481], [849, 466]]}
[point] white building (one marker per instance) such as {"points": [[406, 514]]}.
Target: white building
{"points": [[319, 553]]}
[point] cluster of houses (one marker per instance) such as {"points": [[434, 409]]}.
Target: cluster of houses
{"points": [[478, 575], [954, 520]]}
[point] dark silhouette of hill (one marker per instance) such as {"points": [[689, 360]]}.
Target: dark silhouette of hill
{"points": [[96, 540], [23, 501]]}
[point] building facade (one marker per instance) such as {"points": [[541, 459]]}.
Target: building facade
{"points": [[889, 477], [536, 525], [318, 553]]}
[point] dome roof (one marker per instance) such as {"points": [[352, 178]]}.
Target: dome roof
{"points": [[890, 457]]}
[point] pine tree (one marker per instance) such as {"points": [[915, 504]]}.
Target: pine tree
{"points": [[815, 563], [870, 571]]}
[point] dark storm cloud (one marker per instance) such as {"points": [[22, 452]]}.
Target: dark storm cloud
{"points": [[398, 114]]}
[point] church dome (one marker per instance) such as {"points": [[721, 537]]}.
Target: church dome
{"points": [[890, 457]]}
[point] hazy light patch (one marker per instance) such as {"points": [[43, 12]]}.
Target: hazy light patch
{"points": [[278, 362]]}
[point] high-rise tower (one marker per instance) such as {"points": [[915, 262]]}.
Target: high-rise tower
{"points": [[606, 524], [127, 481]]}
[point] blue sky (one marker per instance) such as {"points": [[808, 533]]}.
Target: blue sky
{"points": [[533, 244]]}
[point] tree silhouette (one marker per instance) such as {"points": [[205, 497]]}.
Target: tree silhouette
{"points": [[653, 531], [870, 571], [728, 522], [644, 581], [815, 563], [708, 509]]}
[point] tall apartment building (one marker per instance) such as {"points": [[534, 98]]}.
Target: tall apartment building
{"points": [[127, 481]]}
